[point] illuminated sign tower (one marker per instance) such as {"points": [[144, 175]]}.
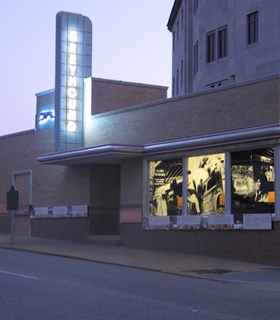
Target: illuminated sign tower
{"points": [[73, 65]]}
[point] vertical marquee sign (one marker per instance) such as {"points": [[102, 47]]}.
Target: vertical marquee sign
{"points": [[73, 65]]}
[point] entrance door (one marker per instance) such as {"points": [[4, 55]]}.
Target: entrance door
{"points": [[104, 199]]}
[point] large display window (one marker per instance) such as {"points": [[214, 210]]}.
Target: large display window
{"points": [[252, 181], [206, 185], [166, 179], [200, 185]]}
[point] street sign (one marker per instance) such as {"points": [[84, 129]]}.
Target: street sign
{"points": [[12, 205], [12, 199]]}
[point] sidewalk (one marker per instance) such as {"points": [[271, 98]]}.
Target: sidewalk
{"points": [[168, 262]]}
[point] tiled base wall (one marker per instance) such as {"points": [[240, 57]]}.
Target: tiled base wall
{"points": [[74, 229], [251, 246]]}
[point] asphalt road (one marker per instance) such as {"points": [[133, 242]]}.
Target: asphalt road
{"points": [[35, 286]]}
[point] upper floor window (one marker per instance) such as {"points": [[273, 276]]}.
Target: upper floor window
{"points": [[182, 73], [174, 37], [195, 58], [182, 19], [211, 47], [195, 6], [178, 30], [253, 29], [177, 82], [223, 43]]}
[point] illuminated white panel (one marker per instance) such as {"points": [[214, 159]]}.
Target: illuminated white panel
{"points": [[73, 65]]}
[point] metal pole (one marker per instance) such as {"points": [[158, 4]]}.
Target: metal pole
{"points": [[12, 227]]}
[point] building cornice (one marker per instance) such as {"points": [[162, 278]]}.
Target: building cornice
{"points": [[173, 14]]}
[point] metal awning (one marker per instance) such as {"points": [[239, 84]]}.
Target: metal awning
{"points": [[113, 154]]}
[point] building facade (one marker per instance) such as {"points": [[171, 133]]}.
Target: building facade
{"points": [[197, 173], [217, 43]]}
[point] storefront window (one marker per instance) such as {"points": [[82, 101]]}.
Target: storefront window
{"points": [[166, 179], [252, 182], [206, 185]]}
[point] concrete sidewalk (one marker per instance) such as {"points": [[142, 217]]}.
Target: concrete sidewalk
{"points": [[169, 262]]}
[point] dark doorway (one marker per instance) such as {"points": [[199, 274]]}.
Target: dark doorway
{"points": [[104, 199]]}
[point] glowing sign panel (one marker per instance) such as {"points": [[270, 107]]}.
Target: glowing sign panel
{"points": [[73, 65], [45, 116], [72, 81]]}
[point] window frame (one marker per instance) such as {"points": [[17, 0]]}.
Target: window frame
{"points": [[195, 57], [177, 82], [182, 73], [223, 42], [253, 27], [211, 46], [195, 6]]}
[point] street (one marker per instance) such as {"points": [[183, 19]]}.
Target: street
{"points": [[35, 286]]}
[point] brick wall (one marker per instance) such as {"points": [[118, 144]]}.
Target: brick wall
{"points": [[213, 111], [108, 95], [131, 183], [5, 223]]}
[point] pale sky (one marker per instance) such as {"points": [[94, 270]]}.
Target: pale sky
{"points": [[130, 43]]}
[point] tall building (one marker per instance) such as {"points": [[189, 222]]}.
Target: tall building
{"points": [[220, 42]]}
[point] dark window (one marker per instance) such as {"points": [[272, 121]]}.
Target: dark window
{"points": [[195, 60], [182, 19], [253, 29], [182, 73], [178, 30], [223, 43], [177, 82], [211, 47], [195, 6], [173, 40]]}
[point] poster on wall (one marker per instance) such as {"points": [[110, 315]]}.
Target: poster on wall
{"points": [[206, 185], [79, 211], [166, 179], [252, 174], [189, 222]]}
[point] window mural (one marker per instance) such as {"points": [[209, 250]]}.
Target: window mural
{"points": [[252, 175], [166, 178], [206, 184]]}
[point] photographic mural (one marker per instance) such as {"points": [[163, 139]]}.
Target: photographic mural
{"points": [[206, 185], [252, 181], [166, 179]]}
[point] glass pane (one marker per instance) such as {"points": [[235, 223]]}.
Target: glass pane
{"points": [[252, 182], [206, 184], [166, 179]]}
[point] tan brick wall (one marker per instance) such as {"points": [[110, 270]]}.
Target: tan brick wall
{"points": [[108, 95], [220, 110], [131, 183]]}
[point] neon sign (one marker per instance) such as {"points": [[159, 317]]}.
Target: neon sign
{"points": [[72, 92], [73, 65], [45, 116]]}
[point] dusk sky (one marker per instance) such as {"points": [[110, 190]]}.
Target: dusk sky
{"points": [[130, 43]]}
